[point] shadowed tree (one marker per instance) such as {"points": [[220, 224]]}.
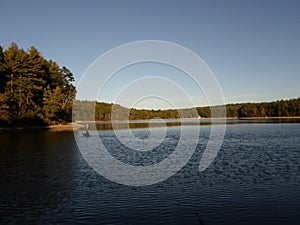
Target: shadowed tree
{"points": [[26, 81]]}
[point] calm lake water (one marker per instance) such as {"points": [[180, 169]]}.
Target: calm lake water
{"points": [[255, 179]]}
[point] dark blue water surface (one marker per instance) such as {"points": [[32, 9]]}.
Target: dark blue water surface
{"points": [[255, 179]]}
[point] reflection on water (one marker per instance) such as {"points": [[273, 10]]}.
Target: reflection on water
{"points": [[134, 124], [36, 169], [255, 179]]}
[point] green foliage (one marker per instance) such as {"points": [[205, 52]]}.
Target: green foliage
{"points": [[103, 111], [83, 110], [282, 108], [32, 89]]}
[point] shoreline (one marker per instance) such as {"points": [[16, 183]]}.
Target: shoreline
{"points": [[277, 117], [66, 127], [57, 127], [204, 118], [81, 124]]}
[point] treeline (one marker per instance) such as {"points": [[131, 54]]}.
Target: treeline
{"points": [[282, 108], [85, 110], [33, 90], [105, 112]]}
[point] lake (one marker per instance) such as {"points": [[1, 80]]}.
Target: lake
{"points": [[255, 179]]}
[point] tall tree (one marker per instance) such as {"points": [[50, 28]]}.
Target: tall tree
{"points": [[26, 79]]}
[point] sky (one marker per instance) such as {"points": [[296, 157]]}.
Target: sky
{"points": [[252, 47]]}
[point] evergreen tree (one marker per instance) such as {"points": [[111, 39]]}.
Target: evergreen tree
{"points": [[32, 89]]}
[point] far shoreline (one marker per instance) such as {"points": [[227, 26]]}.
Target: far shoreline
{"points": [[202, 118], [78, 125]]}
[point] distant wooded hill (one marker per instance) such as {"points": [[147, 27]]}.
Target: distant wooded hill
{"points": [[103, 111]]}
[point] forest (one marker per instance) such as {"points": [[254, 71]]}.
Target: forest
{"points": [[281, 108], [33, 90], [37, 91], [103, 111]]}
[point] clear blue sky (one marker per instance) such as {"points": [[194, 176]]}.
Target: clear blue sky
{"points": [[253, 47]]}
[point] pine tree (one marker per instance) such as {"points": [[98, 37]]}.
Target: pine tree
{"points": [[30, 85]]}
